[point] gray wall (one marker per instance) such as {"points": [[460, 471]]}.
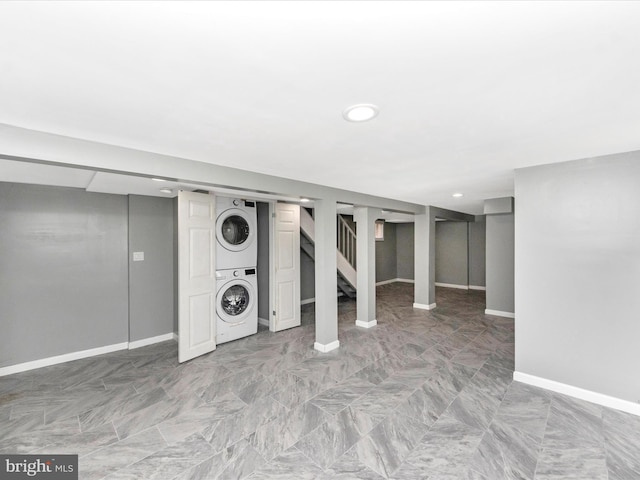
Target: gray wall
{"points": [[452, 253], [63, 271], [386, 265], [477, 248], [578, 273], [405, 245], [307, 277], [176, 291], [263, 260], [500, 262], [307, 273], [151, 282]]}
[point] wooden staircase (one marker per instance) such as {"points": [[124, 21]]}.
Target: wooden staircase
{"points": [[345, 251]]}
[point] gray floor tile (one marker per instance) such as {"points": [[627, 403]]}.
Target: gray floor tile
{"points": [[622, 444], [389, 443], [445, 450], [289, 465], [423, 395], [572, 464]]}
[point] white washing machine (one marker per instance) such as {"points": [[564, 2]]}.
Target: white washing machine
{"points": [[236, 304], [236, 235]]}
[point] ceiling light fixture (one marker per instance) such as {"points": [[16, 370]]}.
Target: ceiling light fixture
{"points": [[166, 190], [360, 113], [158, 179], [457, 195], [305, 200]]}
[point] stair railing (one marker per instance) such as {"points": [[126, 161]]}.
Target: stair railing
{"points": [[346, 241]]}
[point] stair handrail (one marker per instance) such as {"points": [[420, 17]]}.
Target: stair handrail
{"points": [[346, 241]]}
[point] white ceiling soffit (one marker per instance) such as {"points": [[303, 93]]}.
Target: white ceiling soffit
{"points": [[467, 91], [114, 183], [38, 174]]}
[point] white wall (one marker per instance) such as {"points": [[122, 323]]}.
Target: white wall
{"points": [[577, 276]]}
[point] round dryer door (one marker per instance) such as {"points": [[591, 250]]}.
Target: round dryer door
{"points": [[235, 230], [235, 301]]}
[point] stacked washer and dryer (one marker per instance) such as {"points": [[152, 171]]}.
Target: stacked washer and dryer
{"points": [[236, 260]]}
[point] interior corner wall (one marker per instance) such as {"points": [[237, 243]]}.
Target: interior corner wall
{"points": [[151, 281], [500, 262], [477, 251], [263, 260], [386, 268], [405, 245], [578, 273], [452, 250], [63, 271]]}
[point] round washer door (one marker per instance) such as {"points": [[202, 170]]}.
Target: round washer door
{"points": [[235, 230], [235, 300]]}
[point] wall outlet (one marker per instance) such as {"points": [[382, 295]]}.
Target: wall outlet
{"points": [[138, 256]]}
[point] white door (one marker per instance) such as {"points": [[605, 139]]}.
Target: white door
{"points": [[286, 250], [196, 275]]}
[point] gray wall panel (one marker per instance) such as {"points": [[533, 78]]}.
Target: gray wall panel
{"points": [[386, 265], [578, 273], [63, 271], [307, 277], [151, 282], [452, 253], [405, 246], [477, 247], [500, 262], [175, 266], [263, 260]]}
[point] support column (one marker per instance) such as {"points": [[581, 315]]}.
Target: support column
{"points": [[425, 260], [326, 275], [365, 218]]}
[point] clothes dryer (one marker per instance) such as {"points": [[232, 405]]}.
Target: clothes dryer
{"points": [[236, 304], [236, 236]]}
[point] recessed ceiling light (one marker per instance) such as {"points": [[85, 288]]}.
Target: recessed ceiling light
{"points": [[305, 200], [166, 190], [360, 113], [457, 195], [158, 179]]}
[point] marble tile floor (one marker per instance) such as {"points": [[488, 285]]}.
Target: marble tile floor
{"points": [[423, 395]]}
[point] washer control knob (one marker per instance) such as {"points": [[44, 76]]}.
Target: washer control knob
{"points": [[236, 273], [236, 202]]}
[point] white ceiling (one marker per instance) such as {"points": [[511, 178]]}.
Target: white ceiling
{"points": [[467, 91]]}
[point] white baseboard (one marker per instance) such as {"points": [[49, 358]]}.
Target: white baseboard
{"points": [[452, 285], [326, 348], [151, 340], [498, 313], [422, 306], [263, 321], [394, 280], [369, 324], [576, 392], [92, 352], [67, 357], [477, 287]]}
